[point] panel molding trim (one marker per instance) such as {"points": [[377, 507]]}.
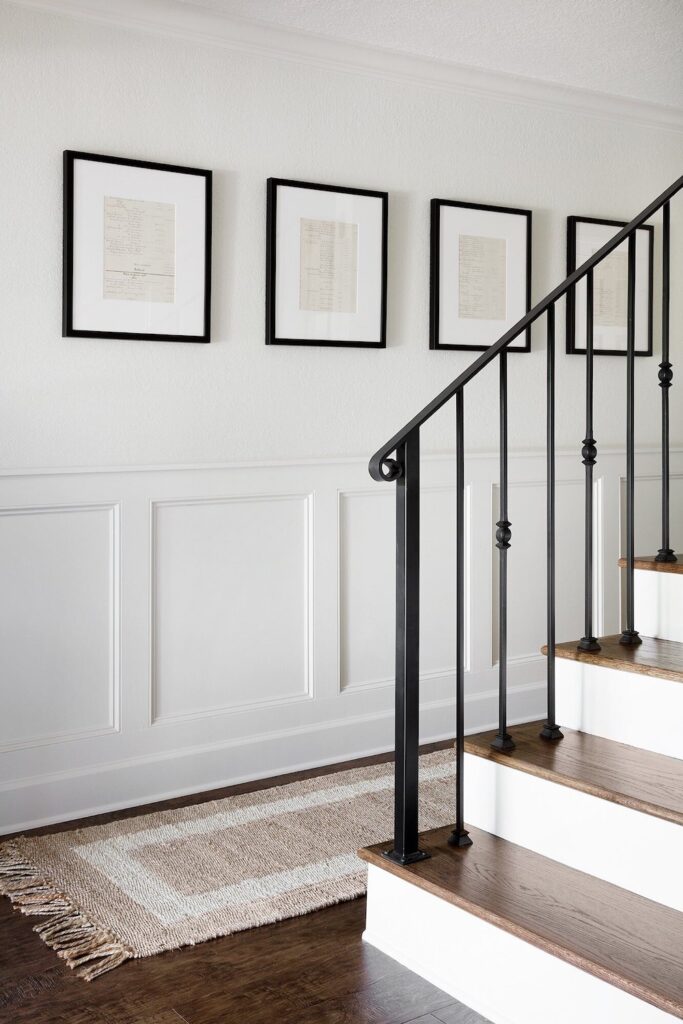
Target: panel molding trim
{"points": [[115, 640], [156, 718]]}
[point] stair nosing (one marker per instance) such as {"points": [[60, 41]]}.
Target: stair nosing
{"points": [[647, 563], [373, 855], [514, 760], [569, 651]]}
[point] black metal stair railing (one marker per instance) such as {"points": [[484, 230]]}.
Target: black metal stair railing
{"points": [[399, 460]]}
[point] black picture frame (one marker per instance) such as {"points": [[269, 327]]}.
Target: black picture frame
{"points": [[435, 272], [68, 331], [272, 338], [571, 347]]}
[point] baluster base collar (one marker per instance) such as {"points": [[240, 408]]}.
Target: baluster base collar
{"points": [[630, 638], [406, 858], [459, 837], [665, 555], [588, 643], [504, 742], [551, 732]]}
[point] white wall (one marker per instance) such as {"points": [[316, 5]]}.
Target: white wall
{"points": [[169, 629]]}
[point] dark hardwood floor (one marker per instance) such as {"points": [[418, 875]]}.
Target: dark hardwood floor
{"points": [[308, 970]]}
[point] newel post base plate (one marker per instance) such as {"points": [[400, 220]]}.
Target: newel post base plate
{"points": [[406, 858]]}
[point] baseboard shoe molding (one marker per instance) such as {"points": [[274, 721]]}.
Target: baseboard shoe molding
{"points": [[98, 789]]}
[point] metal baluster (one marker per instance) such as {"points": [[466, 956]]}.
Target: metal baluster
{"points": [[589, 453], [405, 849], [665, 553], [630, 636], [503, 740], [551, 730], [460, 836]]}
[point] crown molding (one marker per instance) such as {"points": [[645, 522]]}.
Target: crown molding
{"points": [[191, 22]]}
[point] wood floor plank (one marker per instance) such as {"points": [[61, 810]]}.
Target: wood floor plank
{"points": [[635, 778], [648, 563], [613, 934], [459, 1014], [662, 658]]}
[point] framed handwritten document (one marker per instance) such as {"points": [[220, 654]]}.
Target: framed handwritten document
{"points": [[585, 235], [137, 250], [480, 275], [326, 265]]}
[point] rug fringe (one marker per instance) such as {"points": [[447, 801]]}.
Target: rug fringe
{"points": [[86, 947]]}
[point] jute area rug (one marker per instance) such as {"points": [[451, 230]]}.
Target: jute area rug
{"points": [[137, 887]]}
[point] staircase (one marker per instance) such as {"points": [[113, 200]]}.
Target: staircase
{"points": [[562, 897]]}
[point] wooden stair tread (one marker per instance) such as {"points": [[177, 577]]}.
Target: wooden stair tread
{"points": [[616, 935], [635, 778], [661, 658], [648, 562]]}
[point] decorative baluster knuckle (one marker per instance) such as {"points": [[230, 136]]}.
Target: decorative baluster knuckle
{"points": [[666, 375], [589, 452], [391, 469], [503, 534]]}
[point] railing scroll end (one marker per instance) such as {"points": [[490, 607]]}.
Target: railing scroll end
{"points": [[383, 469]]}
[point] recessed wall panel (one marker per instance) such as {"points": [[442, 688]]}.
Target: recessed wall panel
{"points": [[367, 585], [230, 604], [58, 623]]}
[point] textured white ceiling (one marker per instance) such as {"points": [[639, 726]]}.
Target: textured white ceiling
{"points": [[628, 48]]}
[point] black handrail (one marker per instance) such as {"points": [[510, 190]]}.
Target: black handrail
{"points": [[404, 468], [380, 456]]}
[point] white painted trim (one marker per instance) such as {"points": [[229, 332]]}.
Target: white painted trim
{"points": [[308, 692], [331, 460], [115, 636], [257, 756], [486, 967], [210, 27]]}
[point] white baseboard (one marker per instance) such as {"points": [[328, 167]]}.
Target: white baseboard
{"points": [[82, 792]]}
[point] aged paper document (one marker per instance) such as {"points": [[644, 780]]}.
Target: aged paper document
{"points": [[610, 290], [482, 278], [139, 250], [328, 266]]}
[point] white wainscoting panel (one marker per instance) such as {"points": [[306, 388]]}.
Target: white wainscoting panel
{"points": [[59, 623], [367, 587], [231, 604], [170, 630]]}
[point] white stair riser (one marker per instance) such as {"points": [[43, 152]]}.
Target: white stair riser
{"points": [[625, 847], [659, 604], [503, 977], [643, 711]]}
